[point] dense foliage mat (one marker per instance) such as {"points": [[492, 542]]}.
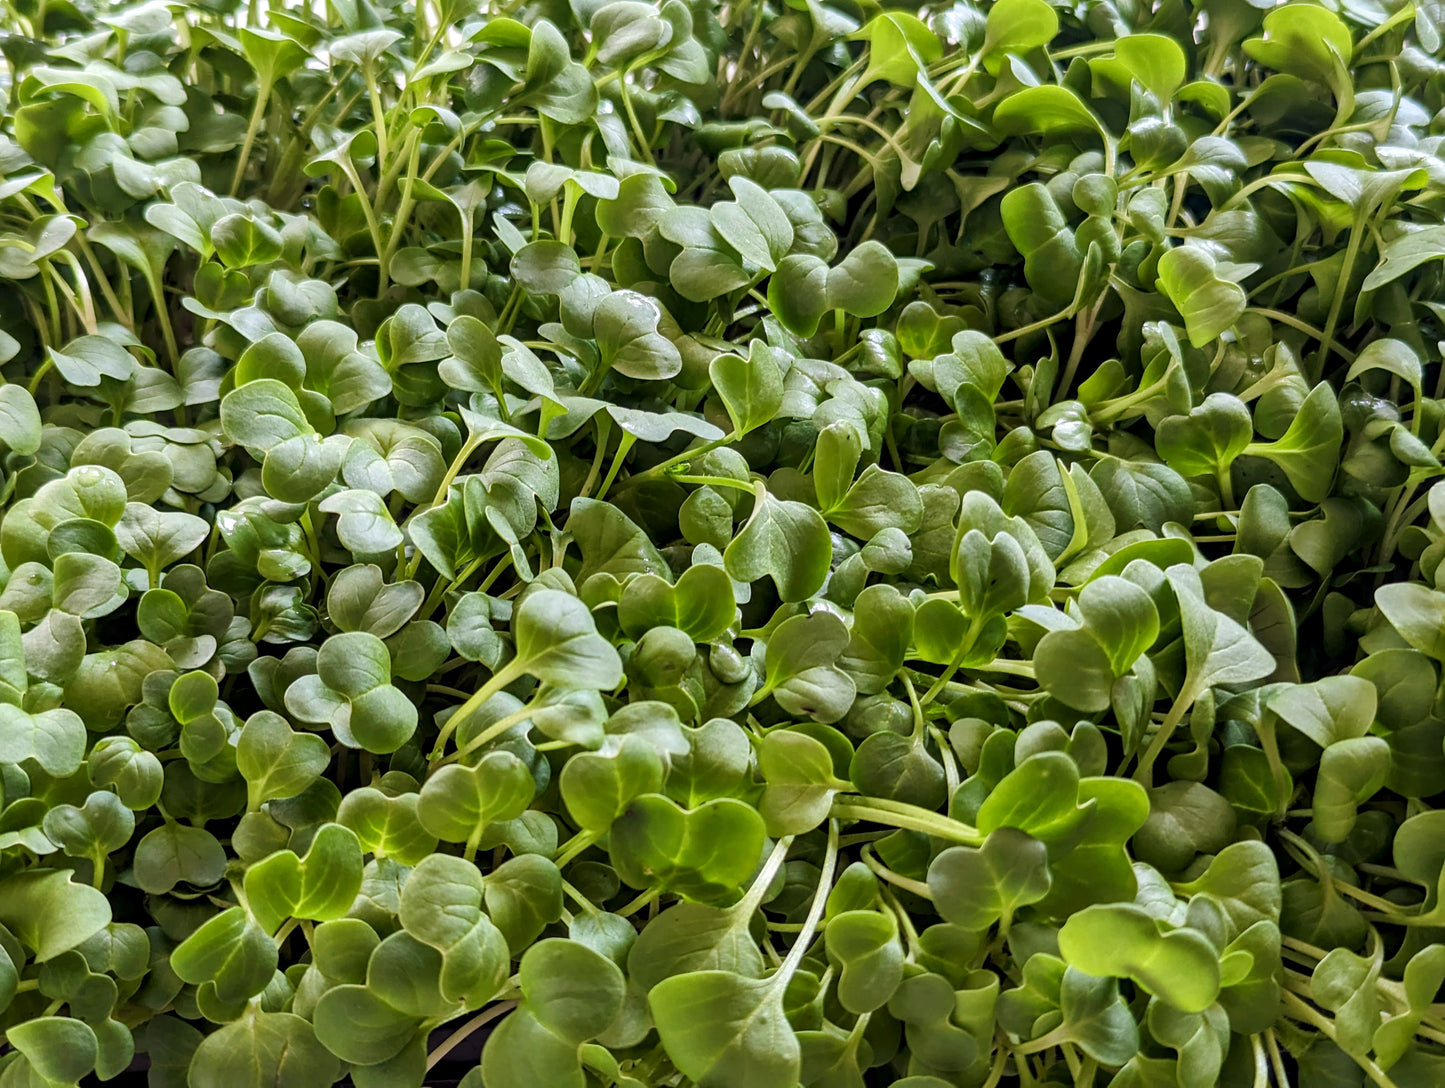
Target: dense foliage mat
{"points": [[738, 546]]}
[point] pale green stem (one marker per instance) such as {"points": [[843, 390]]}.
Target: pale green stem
{"points": [[1145, 773], [910, 817], [459, 1036], [258, 111], [815, 912], [500, 679]]}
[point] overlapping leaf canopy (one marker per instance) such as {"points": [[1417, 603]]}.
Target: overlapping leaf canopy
{"points": [[759, 544]]}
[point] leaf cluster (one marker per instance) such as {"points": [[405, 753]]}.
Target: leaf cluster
{"points": [[722, 544]]}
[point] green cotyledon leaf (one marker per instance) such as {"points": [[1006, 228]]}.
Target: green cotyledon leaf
{"points": [[1122, 941], [784, 540], [721, 1028]]}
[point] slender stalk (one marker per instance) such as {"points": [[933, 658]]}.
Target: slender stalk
{"points": [[1305, 327], [975, 628], [576, 846], [720, 481], [764, 880], [815, 911], [469, 851], [602, 427], [285, 930], [909, 817], [1083, 333], [373, 227], [1296, 1009], [467, 238], [638, 903], [491, 733], [258, 111], [403, 211], [580, 899], [1225, 480], [685, 457], [644, 145], [1144, 774], [1035, 326], [40, 372], [1342, 288], [86, 302], [624, 446], [469, 447], [898, 880], [122, 313], [1276, 1060], [500, 679], [456, 1038], [443, 586], [163, 317], [378, 113]]}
